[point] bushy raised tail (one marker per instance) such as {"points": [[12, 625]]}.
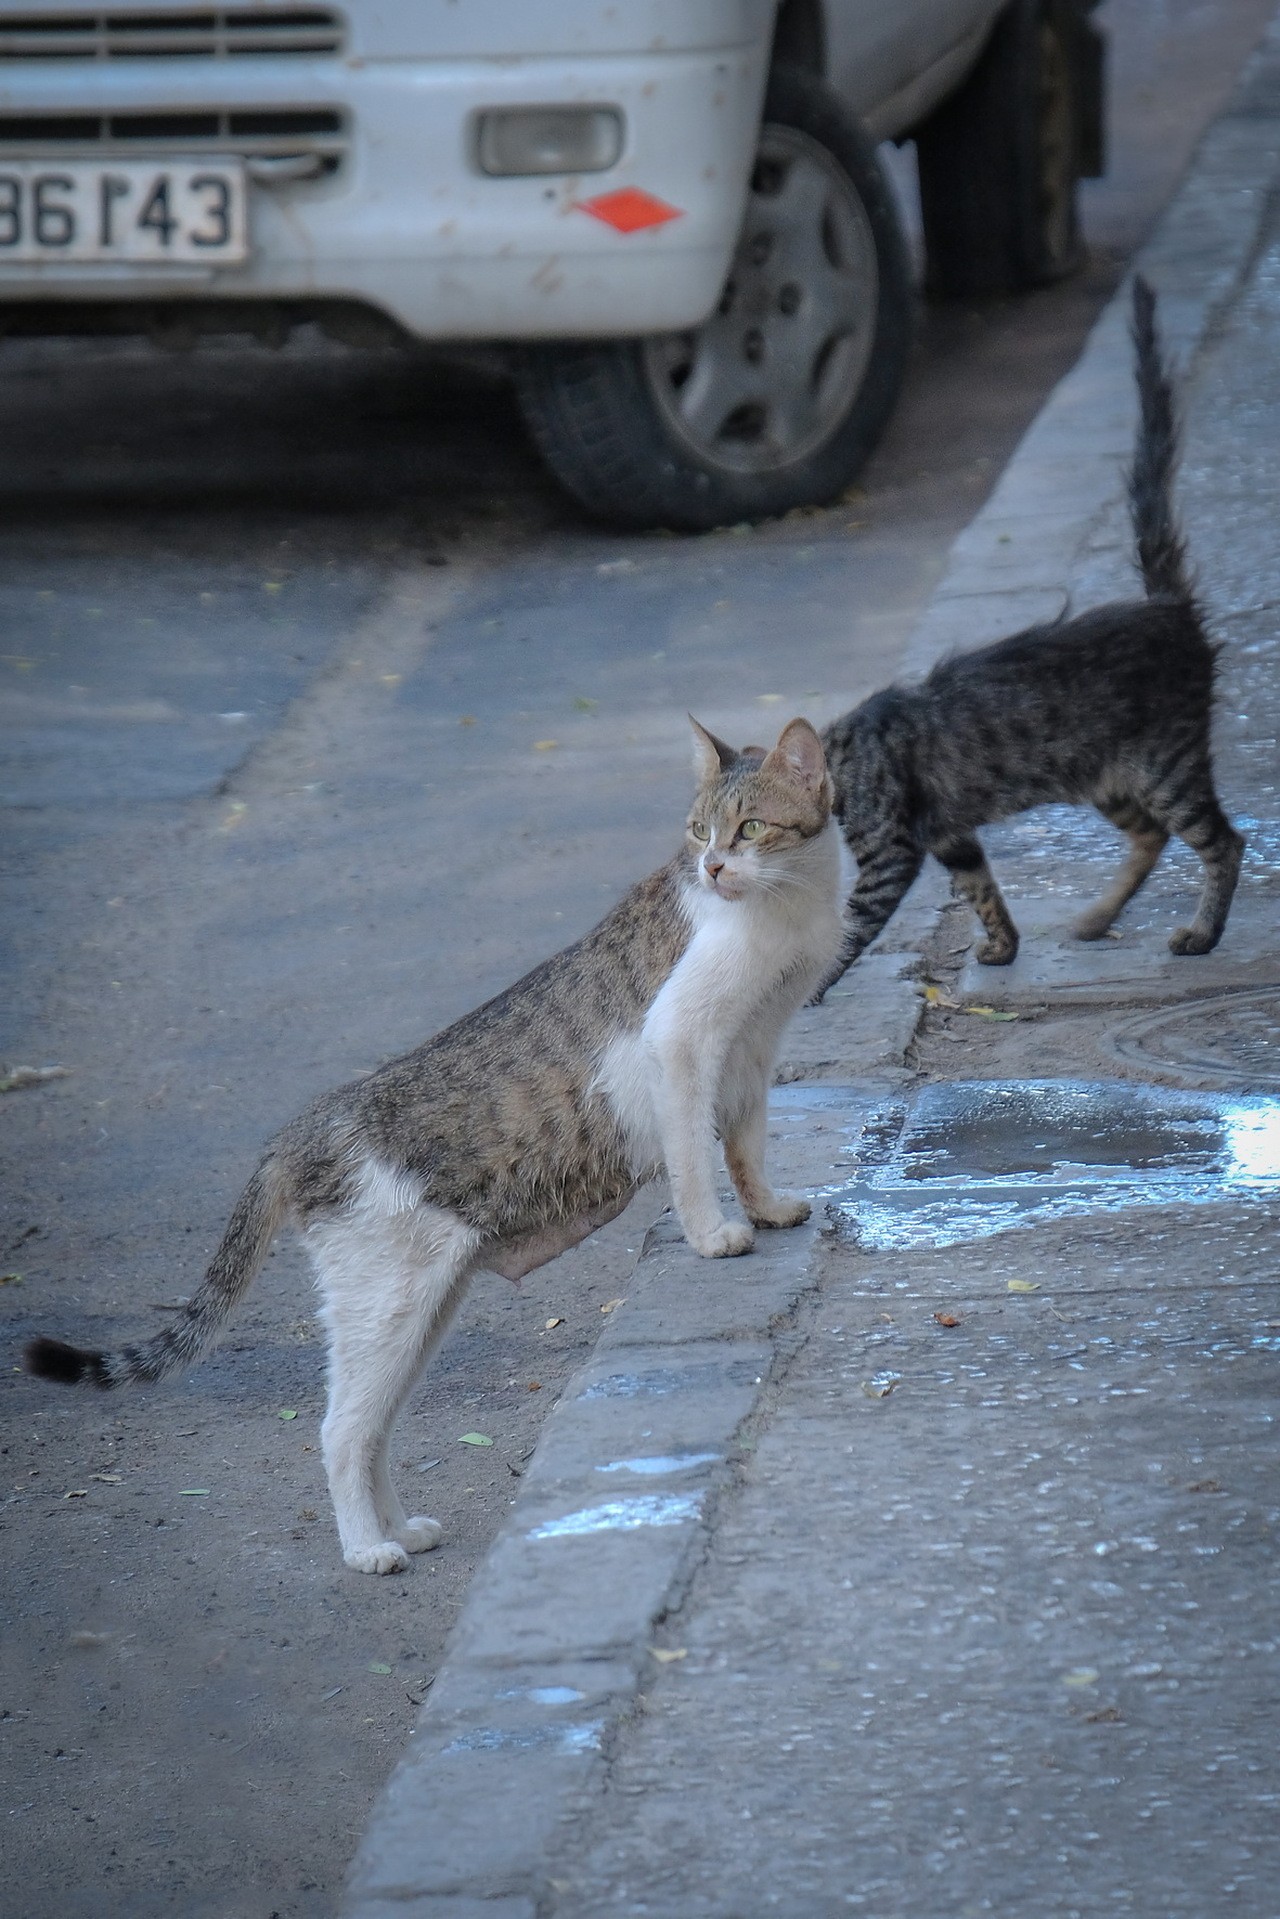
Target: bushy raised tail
{"points": [[1162, 553], [252, 1227]]}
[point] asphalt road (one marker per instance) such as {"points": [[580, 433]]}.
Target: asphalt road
{"points": [[285, 643]]}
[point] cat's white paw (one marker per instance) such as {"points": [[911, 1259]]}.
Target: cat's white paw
{"points": [[783, 1212], [726, 1241], [388, 1556], [420, 1534]]}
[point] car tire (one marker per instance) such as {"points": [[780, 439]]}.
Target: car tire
{"points": [[1000, 160], [777, 399]]}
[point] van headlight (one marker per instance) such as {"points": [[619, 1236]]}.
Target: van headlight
{"points": [[511, 140]]}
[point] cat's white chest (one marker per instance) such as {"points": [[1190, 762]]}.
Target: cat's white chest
{"points": [[712, 1030]]}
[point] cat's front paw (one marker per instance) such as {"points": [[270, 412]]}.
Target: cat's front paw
{"points": [[388, 1556], [420, 1534], [725, 1241], [782, 1211], [997, 952]]}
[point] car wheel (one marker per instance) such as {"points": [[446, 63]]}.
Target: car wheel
{"points": [[778, 397], [1000, 160]]}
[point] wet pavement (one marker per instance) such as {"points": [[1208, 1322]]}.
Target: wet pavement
{"points": [[964, 1161]]}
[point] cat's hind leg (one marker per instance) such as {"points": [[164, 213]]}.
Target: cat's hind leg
{"points": [[973, 880], [1197, 818], [1147, 841], [389, 1284]]}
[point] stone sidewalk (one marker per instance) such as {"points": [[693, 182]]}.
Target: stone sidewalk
{"points": [[922, 1563]]}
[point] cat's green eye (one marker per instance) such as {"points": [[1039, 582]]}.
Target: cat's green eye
{"points": [[699, 831], [751, 829]]}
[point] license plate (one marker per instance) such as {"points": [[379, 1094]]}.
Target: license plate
{"points": [[142, 212]]}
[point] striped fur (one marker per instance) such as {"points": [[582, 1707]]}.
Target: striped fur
{"points": [[1111, 709]]}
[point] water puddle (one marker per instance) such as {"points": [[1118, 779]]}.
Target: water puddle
{"points": [[971, 1159]]}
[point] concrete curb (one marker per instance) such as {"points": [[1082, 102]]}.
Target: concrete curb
{"points": [[612, 1520], [619, 1504]]}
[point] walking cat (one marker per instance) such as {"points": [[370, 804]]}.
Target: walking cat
{"points": [[1110, 709], [515, 1133]]}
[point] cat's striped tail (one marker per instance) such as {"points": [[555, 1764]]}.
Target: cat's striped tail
{"points": [[253, 1225], [1162, 553]]}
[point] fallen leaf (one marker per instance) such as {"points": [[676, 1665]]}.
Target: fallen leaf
{"points": [[19, 1076], [585, 706], [545, 746], [934, 996], [308, 1513], [107, 1479], [768, 699], [474, 1439], [535, 1385], [77, 1492], [378, 1665], [331, 1694], [287, 1412], [552, 1322], [1080, 1676], [1024, 1286], [1106, 1716], [947, 1319], [10, 1279], [1205, 1486], [881, 1386], [467, 719], [89, 1641], [612, 1305], [988, 1012], [273, 586], [425, 1465], [666, 1654], [194, 1492]]}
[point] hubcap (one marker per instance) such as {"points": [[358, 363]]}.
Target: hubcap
{"points": [[774, 371]]}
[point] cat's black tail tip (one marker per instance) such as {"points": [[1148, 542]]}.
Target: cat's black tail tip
{"points": [[54, 1359]]}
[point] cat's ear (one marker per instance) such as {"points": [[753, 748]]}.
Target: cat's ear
{"points": [[711, 757], [799, 758]]}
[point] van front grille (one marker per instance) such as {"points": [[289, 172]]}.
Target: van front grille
{"points": [[254, 132], [208, 33]]}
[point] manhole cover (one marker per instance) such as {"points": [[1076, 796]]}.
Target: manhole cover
{"points": [[1233, 1037]]}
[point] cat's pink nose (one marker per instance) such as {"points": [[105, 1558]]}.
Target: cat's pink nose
{"points": [[712, 866]]}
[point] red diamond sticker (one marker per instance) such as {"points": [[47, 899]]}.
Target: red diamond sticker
{"points": [[629, 209]]}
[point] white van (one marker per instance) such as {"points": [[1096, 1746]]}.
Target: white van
{"points": [[670, 210]]}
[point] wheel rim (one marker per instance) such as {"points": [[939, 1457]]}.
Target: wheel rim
{"points": [[773, 373], [1057, 147]]}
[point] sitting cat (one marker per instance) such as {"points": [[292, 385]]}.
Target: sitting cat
{"points": [[1110, 709], [526, 1125]]}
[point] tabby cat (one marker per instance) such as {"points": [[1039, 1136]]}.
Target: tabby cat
{"points": [[518, 1131], [1110, 709]]}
